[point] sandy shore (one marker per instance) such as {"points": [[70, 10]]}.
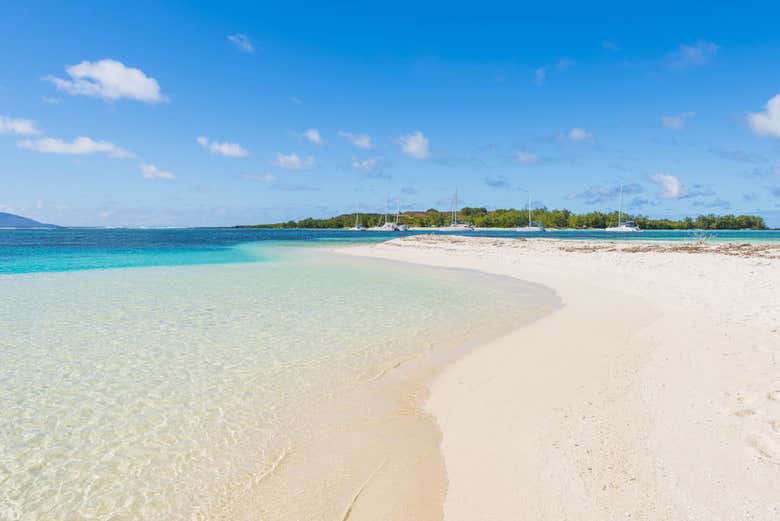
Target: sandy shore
{"points": [[654, 393]]}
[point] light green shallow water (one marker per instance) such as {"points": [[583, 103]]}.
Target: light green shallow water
{"points": [[148, 393]]}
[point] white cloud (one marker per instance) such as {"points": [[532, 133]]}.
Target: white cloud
{"points": [[292, 162], [109, 79], [669, 187], [222, 148], [695, 54], [579, 135], [242, 42], [677, 122], [540, 75], [79, 146], [367, 165], [152, 172], [359, 140], [526, 158], [20, 127], [767, 123], [415, 145], [51, 100], [313, 135]]}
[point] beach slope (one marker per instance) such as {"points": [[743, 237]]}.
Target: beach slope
{"points": [[654, 393]]}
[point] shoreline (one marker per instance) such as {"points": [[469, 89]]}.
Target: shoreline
{"points": [[375, 453], [654, 392]]}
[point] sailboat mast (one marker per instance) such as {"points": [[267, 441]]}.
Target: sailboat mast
{"points": [[620, 208], [397, 210], [455, 208], [529, 209]]}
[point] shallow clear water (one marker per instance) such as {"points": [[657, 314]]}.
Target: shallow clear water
{"points": [[151, 393]]}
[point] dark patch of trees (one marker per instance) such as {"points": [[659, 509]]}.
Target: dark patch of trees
{"points": [[511, 218]]}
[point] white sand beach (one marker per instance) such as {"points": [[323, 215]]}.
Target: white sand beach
{"points": [[654, 393]]}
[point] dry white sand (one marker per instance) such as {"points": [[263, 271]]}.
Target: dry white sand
{"points": [[654, 393]]}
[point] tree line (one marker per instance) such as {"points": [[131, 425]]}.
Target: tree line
{"points": [[510, 218]]}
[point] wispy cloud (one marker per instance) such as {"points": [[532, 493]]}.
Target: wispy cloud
{"points": [[564, 64], [540, 75], [267, 177], [497, 182], [610, 46], [735, 154], [242, 42], [20, 127], [524, 157], [415, 145], [79, 146], [767, 123], [371, 167], [293, 187], [358, 140], [369, 164], [110, 80], [577, 135], [274, 183], [599, 194], [292, 162], [313, 135], [694, 54], [670, 187], [223, 148], [677, 122], [718, 203], [152, 172]]}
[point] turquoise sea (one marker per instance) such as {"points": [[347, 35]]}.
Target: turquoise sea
{"points": [[66, 249]]}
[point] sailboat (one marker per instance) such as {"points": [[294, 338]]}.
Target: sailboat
{"points": [[532, 226], [623, 226], [455, 226], [387, 226], [358, 227], [398, 226]]}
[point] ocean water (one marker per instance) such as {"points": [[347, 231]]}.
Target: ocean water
{"points": [[66, 249], [151, 374]]}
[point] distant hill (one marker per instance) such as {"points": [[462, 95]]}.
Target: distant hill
{"points": [[9, 220]]}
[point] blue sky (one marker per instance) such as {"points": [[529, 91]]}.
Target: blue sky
{"points": [[191, 114]]}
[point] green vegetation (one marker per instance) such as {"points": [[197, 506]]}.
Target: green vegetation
{"points": [[511, 218]]}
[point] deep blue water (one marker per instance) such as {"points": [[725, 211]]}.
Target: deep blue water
{"points": [[66, 249]]}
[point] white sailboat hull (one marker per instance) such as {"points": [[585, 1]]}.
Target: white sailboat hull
{"points": [[623, 229], [387, 227], [529, 229], [455, 228]]}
